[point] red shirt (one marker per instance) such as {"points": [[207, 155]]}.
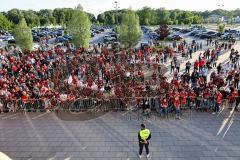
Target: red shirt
{"points": [[24, 98], [14, 68], [176, 103], [196, 63], [202, 63], [183, 97], [164, 103], [219, 98], [192, 95]]}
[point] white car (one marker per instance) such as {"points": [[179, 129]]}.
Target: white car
{"points": [[108, 38], [238, 34], [7, 38], [1, 38]]}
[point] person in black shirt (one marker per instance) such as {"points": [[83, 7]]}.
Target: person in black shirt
{"points": [[188, 66], [237, 100], [236, 79]]}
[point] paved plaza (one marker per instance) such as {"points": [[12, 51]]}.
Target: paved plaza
{"points": [[113, 136]]}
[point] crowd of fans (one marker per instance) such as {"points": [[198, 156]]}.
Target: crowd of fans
{"points": [[49, 76]]}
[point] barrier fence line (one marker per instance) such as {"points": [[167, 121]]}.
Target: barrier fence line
{"points": [[89, 104]]}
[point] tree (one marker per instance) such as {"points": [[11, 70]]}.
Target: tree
{"points": [[197, 19], [101, 18], [176, 22], [46, 17], [44, 21], [4, 23], [147, 16], [163, 31], [59, 15], [146, 22], [162, 16], [92, 18], [14, 15], [221, 28], [79, 28], [31, 18], [129, 30], [110, 19], [23, 35]]}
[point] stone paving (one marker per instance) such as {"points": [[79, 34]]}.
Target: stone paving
{"points": [[198, 136]]}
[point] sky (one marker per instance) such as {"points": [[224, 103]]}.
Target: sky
{"points": [[99, 6]]}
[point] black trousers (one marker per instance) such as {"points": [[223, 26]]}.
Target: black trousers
{"points": [[236, 83], [141, 145], [237, 103]]}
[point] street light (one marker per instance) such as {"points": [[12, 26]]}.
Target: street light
{"points": [[220, 7], [116, 7]]}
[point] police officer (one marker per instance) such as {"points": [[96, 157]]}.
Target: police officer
{"points": [[144, 136]]}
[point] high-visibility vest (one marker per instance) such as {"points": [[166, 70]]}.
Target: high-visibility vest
{"points": [[144, 134]]}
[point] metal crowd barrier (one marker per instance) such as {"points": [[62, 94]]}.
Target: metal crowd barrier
{"points": [[31, 105], [78, 105], [84, 104], [95, 105]]}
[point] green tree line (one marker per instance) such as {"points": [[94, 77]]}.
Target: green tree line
{"points": [[147, 16], [43, 17], [150, 16]]}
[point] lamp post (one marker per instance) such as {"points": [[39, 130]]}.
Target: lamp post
{"points": [[116, 7], [220, 7]]}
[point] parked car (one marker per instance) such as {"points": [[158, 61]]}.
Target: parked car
{"points": [[61, 40], [176, 29], [185, 31], [68, 37], [211, 32], [154, 36], [193, 33], [197, 35], [175, 37], [205, 36], [114, 35], [36, 39], [228, 36], [92, 34], [7, 38], [12, 41], [144, 45], [231, 31], [102, 29], [216, 35], [40, 34], [109, 38], [149, 32], [97, 32]]}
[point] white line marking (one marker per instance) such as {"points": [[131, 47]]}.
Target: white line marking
{"points": [[229, 125], [225, 121], [9, 116], [13, 117], [40, 115], [221, 110]]}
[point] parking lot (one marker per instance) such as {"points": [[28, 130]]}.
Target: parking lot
{"points": [[98, 35]]}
